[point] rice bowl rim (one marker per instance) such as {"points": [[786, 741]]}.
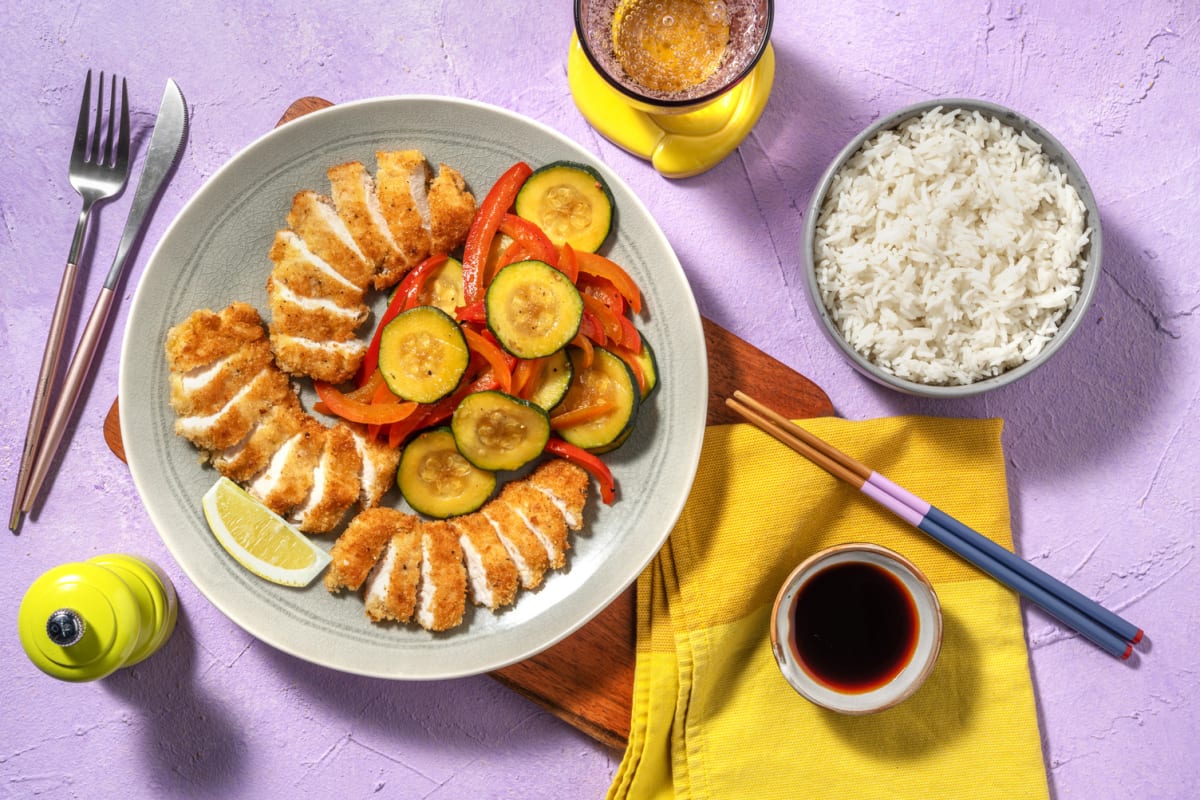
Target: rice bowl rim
{"points": [[1054, 151]]}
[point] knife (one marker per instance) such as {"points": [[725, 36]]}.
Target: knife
{"points": [[170, 132]]}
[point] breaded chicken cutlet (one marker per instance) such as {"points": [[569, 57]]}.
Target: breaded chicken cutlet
{"points": [[368, 233], [411, 570], [235, 405]]}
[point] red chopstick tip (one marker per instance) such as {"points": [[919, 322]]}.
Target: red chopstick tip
{"points": [[1139, 636], [1128, 652]]}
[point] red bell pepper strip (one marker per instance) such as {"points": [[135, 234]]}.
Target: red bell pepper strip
{"points": [[635, 366], [526, 375], [357, 411], [630, 337], [536, 243], [568, 264], [415, 280], [585, 346], [590, 328], [608, 320], [500, 362], [578, 416], [483, 229], [603, 290], [472, 312], [598, 265], [594, 466]]}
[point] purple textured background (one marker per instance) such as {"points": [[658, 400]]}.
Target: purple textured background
{"points": [[1102, 443]]}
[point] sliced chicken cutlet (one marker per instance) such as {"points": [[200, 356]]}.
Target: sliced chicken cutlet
{"points": [[336, 483], [442, 593], [541, 516], [354, 197], [315, 220], [379, 464], [252, 455], [198, 343], [315, 312], [359, 547], [390, 590], [491, 574], [402, 182], [207, 336], [288, 479], [567, 487], [527, 552], [451, 209], [205, 390]]}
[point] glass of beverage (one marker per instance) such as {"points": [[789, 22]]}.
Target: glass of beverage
{"points": [[677, 82], [673, 56]]}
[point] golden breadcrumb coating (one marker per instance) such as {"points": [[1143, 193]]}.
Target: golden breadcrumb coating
{"points": [[315, 220], [359, 547], [441, 596], [491, 573], [451, 209], [402, 181]]}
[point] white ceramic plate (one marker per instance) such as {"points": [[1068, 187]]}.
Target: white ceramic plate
{"points": [[215, 252]]}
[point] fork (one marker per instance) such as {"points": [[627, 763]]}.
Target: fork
{"points": [[97, 172]]}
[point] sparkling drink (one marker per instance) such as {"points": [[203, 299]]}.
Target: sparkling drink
{"points": [[673, 52]]}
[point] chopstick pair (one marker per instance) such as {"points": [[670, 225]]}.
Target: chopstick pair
{"points": [[1103, 627]]}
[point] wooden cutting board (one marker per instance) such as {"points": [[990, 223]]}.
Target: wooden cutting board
{"points": [[587, 679]]}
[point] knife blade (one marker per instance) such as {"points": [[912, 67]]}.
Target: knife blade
{"points": [[166, 143]]}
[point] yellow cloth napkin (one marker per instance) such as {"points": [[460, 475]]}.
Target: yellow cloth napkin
{"points": [[712, 715]]}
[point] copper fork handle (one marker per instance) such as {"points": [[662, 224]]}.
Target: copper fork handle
{"points": [[76, 375], [41, 394]]}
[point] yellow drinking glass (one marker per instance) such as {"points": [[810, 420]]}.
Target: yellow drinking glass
{"points": [[677, 82]]}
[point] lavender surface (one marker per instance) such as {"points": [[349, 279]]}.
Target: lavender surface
{"points": [[1102, 442]]}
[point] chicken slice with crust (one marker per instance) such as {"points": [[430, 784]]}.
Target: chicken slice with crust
{"points": [[390, 590], [491, 574], [354, 196]]}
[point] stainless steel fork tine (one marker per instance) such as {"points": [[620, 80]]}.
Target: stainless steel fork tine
{"points": [[98, 127], [109, 144], [79, 151]]}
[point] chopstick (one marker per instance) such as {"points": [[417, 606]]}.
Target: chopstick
{"points": [[1103, 627]]}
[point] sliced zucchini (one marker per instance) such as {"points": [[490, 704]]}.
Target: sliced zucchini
{"points": [[423, 354], [608, 379], [553, 381], [444, 287], [570, 202], [437, 481], [533, 309], [494, 430]]}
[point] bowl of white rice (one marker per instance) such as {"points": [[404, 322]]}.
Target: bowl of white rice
{"points": [[952, 247]]}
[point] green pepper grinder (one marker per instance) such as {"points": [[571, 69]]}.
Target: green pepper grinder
{"points": [[84, 620]]}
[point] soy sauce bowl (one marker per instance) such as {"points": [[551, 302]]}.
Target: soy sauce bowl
{"points": [[917, 609]]}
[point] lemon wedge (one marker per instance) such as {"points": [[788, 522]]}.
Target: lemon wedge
{"points": [[259, 539]]}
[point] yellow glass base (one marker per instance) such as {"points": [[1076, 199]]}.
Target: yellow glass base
{"points": [[678, 145]]}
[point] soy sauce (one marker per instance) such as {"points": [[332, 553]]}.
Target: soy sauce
{"points": [[854, 626]]}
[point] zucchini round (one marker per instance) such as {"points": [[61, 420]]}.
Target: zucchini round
{"points": [[570, 202], [444, 287], [607, 379], [437, 481], [553, 381], [533, 309], [423, 354], [494, 430]]}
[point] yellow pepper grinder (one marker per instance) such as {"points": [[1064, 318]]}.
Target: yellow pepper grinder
{"points": [[84, 620]]}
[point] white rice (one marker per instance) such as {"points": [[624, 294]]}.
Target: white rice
{"points": [[949, 249]]}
